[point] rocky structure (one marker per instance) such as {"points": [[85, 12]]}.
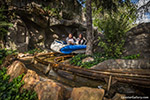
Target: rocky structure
{"points": [[16, 69], [87, 59], [48, 89], [38, 23], [85, 93], [138, 41], [119, 97], [30, 79], [18, 36], [123, 64]]}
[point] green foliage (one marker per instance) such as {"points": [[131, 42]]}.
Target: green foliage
{"points": [[98, 57], [77, 60], [135, 56], [52, 12], [4, 24], [3, 29], [4, 53], [110, 5], [11, 90], [34, 51], [114, 27]]}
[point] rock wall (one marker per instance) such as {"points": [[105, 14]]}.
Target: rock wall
{"points": [[18, 36], [138, 41], [123, 64], [33, 27]]}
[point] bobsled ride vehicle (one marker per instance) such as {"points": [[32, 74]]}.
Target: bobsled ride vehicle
{"points": [[62, 47]]}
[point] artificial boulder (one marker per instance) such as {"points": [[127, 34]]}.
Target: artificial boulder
{"points": [[119, 97], [18, 36], [66, 89], [123, 64], [30, 79], [16, 69], [47, 90], [138, 41], [87, 59], [86, 93], [33, 26]]}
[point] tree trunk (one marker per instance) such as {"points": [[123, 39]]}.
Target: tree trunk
{"points": [[89, 28]]}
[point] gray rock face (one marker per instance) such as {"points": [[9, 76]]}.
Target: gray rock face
{"points": [[34, 27], [138, 41], [123, 64], [18, 36], [88, 59]]}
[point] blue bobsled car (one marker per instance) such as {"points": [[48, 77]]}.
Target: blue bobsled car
{"points": [[61, 47]]}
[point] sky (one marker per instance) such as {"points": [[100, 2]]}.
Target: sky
{"points": [[146, 15]]}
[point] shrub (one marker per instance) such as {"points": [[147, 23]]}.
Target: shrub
{"points": [[135, 56], [114, 25], [98, 57], [4, 24], [6, 52], [114, 29], [11, 90]]}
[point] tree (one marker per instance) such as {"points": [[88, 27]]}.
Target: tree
{"points": [[89, 27], [114, 26], [106, 5]]}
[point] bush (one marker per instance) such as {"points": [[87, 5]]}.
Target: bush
{"points": [[11, 90], [114, 25], [4, 24], [77, 60], [135, 56], [98, 57], [114, 29], [6, 52]]}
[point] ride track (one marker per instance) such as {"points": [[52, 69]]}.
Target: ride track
{"points": [[140, 77]]}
